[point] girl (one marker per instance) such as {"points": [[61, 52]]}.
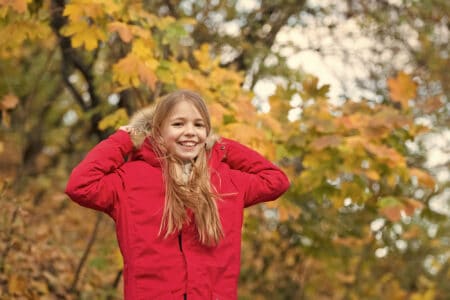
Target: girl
{"points": [[176, 193]]}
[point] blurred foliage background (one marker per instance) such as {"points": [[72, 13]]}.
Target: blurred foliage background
{"points": [[367, 215]]}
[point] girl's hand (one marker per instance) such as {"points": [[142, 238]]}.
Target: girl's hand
{"points": [[128, 128], [137, 136]]}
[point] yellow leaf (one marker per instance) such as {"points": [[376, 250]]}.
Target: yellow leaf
{"points": [[143, 49], [73, 11], [83, 34], [205, 63], [17, 284], [372, 174], [114, 120], [430, 294], [402, 88]]}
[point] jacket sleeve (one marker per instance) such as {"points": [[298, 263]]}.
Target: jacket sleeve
{"points": [[261, 180], [95, 182]]}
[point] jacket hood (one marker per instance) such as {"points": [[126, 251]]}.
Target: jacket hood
{"points": [[141, 122]]}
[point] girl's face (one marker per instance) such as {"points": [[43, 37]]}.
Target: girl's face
{"points": [[184, 131]]}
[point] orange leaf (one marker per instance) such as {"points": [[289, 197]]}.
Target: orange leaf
{"points": [[326, 141], [392, 213], [386, 153], [423, 177], [431, 105], [147, 76], [9, 101], [122, 29], [19, 6], [412, 233], [402, 88], [411, 205]]}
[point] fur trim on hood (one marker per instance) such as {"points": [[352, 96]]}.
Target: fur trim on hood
{"points": [[140, 127]]}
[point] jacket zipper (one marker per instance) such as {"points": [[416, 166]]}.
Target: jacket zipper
{"points": [[180, 242], [180, 245]]}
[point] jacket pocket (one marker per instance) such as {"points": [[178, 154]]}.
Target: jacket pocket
{"points": [[152, 284]]}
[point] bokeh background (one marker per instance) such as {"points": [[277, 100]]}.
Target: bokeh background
{"points": [[350, 98]]}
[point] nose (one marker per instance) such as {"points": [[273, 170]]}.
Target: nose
{"points": [[189, 129]]}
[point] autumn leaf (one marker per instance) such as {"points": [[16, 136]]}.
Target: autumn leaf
{"points": [[114, 120], [423, 177], [391, 208], [9, 101], [122, 29], [19, 6], [412, 233], [385, 153], [402, 88], [411, 205], [431, 105], [202, 55], [131, 71], [372, 174], [83, 34], [326, 141]]}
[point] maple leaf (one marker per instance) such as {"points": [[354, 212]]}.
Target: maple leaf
{"points": [[386, 153], [83, 34], [122, 29], [402, 88], [326, 141], [114, 120], [411, 205], [423, 177], [19, 6], [9, 101], [147, 76], [431, 105], [391, 208]]}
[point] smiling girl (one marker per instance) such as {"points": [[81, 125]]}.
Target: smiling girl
{"points": [[176, 193]]}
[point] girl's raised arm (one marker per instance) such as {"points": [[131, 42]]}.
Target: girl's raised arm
{"points": [[261, 180], [96, 182]]}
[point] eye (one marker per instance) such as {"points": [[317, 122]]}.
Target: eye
{"points": [[177, 124], [199, 125]]}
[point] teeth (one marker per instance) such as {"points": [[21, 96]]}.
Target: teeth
{"points": [[189, 144]]}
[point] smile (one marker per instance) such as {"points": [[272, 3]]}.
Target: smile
{"points": [[188, 144]]}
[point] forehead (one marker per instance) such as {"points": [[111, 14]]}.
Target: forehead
{"points": [[184, 109]]}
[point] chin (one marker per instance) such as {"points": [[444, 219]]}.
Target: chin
{"points": [[186, 157]]}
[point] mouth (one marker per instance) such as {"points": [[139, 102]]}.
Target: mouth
{"points": [[188, 144]]}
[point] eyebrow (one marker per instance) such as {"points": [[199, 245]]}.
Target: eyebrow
{"points": [[176, 118]]}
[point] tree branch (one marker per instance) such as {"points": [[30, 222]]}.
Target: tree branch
{"points": [[86, 252]]}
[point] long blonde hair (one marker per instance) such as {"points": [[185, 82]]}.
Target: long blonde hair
{"points": [[196, 193]]}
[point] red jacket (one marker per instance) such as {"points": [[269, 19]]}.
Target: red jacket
{"points": [[132, 193]]}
